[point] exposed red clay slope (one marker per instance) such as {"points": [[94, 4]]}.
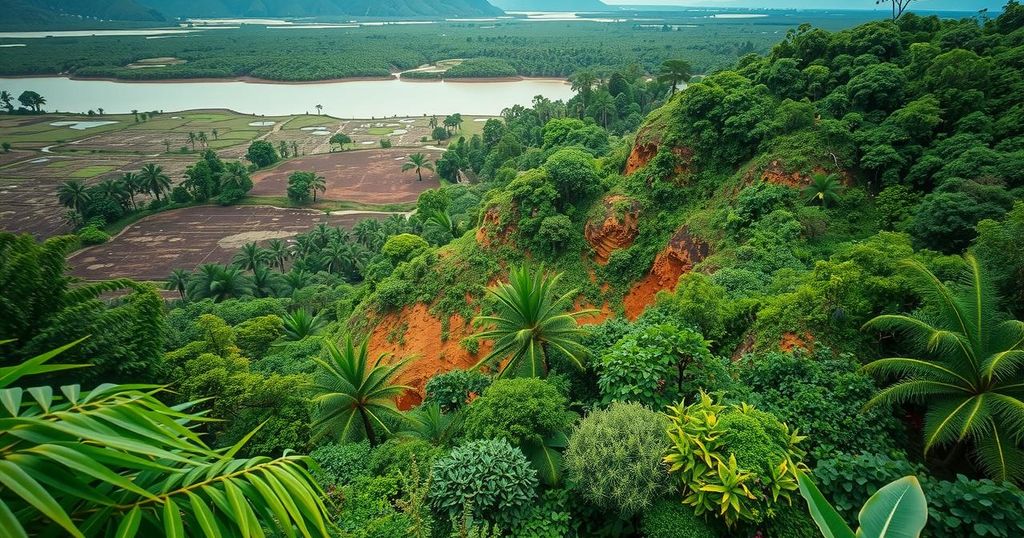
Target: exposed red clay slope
{"points": [[611, 232], [682, 253], [421, 340]]}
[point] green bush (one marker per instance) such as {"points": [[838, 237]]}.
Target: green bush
{"points": [[403, 247], [394, 293], [672, 519], [340, 464], [518, 410], [93, 235], [491, 474], [549, 517], [368, 508], [614, 458], [396, 456], [451, 390], [734, 453]]}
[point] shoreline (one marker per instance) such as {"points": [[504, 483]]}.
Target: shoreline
{"points": [[254, 80]]}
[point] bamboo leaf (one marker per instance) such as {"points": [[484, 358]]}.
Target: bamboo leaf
{"points": [[25, 487], [129, 526], [203, 515], [173, 527], [9, 525]]}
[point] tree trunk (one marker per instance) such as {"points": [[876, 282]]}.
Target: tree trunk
{"points": [[370, 434]]}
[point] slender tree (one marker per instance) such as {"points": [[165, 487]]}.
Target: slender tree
{"points": [[75, 195], [178, 281], [132, 184], [417, 162], [154, 180], [192, 140], [898, 6], [967, 368], [356, 395], [319, 109], [278, 253], [317, 183], [675, 72], [251, 256], [528, 322], [7, 100]]}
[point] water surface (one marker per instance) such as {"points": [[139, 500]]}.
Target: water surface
{"points": [[349, 99]]}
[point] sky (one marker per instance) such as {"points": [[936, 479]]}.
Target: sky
{"points": [[957, 5]]}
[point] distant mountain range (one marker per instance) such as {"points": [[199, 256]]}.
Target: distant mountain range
{"points": [[551, 5], [53, 11]]}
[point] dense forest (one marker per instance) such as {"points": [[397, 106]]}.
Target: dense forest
{"points": [[783, 301], [532, 48]]}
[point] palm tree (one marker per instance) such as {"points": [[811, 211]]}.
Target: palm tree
{"points": [[132, 185], [201, 137], [37, 102], [114, 190], [432, 122], [154, 180], [236, 177], [116, 460], [355, 395], [301, 323], [442, 220], [75, 195], [319, 109], [528, 321], [418, 161], [278, 253], [582, 82], [675, 72], [214, 133], [295, 280], [219, 282], [603, 105], [178, 281], [251, 256], [824, 188], [7, 100], [319, 183], [192, 140], [265, 281], [366, 232], [967, 368]]}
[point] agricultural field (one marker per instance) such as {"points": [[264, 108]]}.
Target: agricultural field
{"points": [[185, 238], [372, 176]]}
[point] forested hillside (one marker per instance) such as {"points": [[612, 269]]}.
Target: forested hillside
{"points": [[740, 308], [72, 11]]}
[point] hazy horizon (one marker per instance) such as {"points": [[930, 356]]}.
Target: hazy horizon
{"points": [[925, 5]]}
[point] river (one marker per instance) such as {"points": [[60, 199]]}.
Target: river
{"points": [[347, 99]]}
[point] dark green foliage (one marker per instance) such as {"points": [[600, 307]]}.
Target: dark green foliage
{"points": [[1000, 247], [573, 174], [614, 457], [821, 395], [549, 517], [945, 221], [255, 335], [300, 187], [453, 389], [369, 511], [341, 464], [671, 519], [395, 457], [491, 474], [519, 411], [262, 154]]}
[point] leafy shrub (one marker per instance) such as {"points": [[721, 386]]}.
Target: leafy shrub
{"points": [[393, 293], [403, 247], [549, 517], [396, 456], [451, 390], [792, 521], [658, 365], [735, 462], [614, 457], [518, 410], [491, 474], [672, 519], [756, 202], [340, 464], [821, 395], [93, 235], [254, 336], [368, 509], [958, 508]]}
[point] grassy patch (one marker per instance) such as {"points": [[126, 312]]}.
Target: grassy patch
{"points": [[326, 205], [91, 171], [380, 131]]}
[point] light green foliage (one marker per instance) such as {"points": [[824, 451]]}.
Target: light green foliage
{"points": [[549, 517], [93, 235], [1000, 247], [451, 390], [368, 510], [895, 204], [341, 464], [735, 462], [301, 324], [699, 303], [254, 336], [573, 174], [672, 519], [491, 474], [821, 395], [898, 510], [404, 247], [78, 450], [614, 457], [658, 364], [519, 411], [396, 456]]}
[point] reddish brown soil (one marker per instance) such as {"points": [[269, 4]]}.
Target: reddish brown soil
{"points": [[791, 341], [682, 253], [367, 176], [612, 232], [491, 231], [185, 238], [640, 156]]}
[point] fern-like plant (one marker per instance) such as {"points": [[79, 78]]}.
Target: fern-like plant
{"points": [[116, 461]]}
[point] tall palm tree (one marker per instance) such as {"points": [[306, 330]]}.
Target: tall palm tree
{"points": [[278, 253], [319, 183], [192, 140], [202, 139], [251, 256], [266, 282], [528, 321], [319, 109], [583, 82], [236, 177], [302, 323], [132, 184], [114, 190], [178, 281], [674, 72], [366, 231], [116, 460], [603, 106], [417, 162], [37, 102], [219, 282], [154, 180], [75, 195], [824, 188], [967, 368], [356, 395], [7, 100]]}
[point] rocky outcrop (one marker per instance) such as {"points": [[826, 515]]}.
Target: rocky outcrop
{"points": [[615, 228], [641, 155], [678, 258]]}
